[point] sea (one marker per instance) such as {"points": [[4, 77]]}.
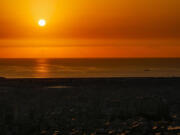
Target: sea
{"points": [[90, 68]]}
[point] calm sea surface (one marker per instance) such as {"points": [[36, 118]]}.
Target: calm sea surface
{"points": [[57, 68]]}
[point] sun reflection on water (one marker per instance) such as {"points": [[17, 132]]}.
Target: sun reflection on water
{"points": [[42, 69]]}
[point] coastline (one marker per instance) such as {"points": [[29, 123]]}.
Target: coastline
{"points": [[90, 105]]}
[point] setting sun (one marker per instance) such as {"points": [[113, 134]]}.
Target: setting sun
{"points": [[97, 28], [42, 22]]}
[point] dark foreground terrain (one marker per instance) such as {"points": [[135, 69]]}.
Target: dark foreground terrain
{"points": [[114, 106]]}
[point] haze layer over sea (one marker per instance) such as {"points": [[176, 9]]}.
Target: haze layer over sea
{"points": [[77, 68]]}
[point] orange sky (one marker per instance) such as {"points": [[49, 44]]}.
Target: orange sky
{"points": [[95, 28]]}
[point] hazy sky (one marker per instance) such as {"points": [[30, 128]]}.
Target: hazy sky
{"points": [[143, 27]]}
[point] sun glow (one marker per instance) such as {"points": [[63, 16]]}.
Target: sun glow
{"points": [[42, 23]]}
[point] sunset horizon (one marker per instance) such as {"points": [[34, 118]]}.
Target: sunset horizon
{"points": [[90, 67]]}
